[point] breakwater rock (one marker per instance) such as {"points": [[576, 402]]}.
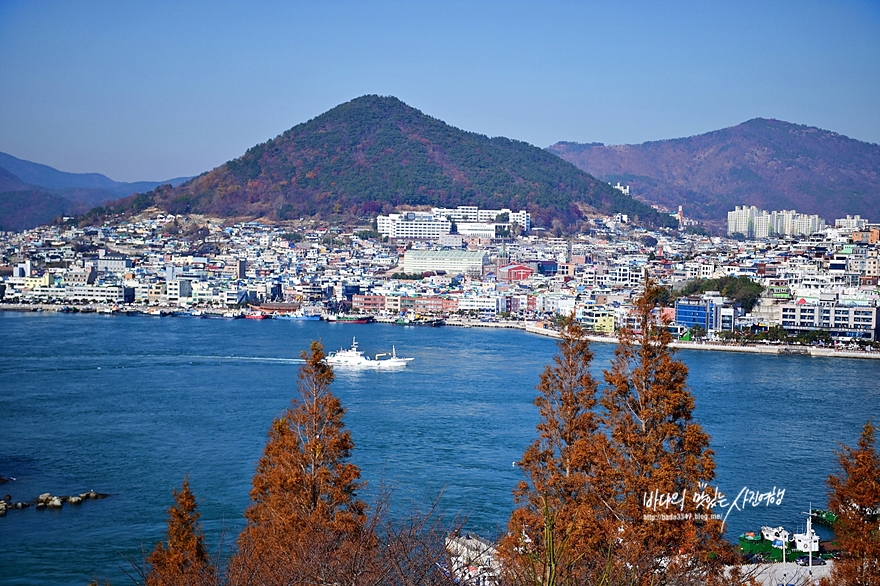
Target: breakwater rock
{"points": [[48, 501]]}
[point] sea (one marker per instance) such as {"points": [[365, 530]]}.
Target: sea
{"points": [[131, 406]]}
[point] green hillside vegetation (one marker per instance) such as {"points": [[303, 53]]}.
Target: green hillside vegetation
{"points": [[374, 153], [741, 290]]}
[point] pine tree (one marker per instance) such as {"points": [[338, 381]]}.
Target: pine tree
{"points": [[658, 448], [305, 524], [182, 560], [855, 498]]}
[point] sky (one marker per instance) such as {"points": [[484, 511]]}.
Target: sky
{"points": [[156, 90]]}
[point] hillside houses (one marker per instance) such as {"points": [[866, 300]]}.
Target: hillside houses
{"points": [[825, 282]]}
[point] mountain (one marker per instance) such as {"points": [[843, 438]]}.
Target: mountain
{"points": [[32, 194], [770, 164], [23, 210], [11, 182], [373, 153], [99, 185]]}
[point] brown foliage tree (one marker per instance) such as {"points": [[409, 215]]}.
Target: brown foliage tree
{"points": [[305, 524], [561, 515], [855, 498], [581, 517], [659, 448], [182, 560]]}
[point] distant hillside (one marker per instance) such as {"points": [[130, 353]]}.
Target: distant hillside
{"points": [[32, 194], [770, 164], [50, 178], [10, 182], [374, 153], [23, 210]]}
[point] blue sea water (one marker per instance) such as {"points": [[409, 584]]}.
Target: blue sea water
{"points": [[132, 405]]}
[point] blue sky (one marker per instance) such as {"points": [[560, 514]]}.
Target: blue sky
{"points": [[154, 90]]}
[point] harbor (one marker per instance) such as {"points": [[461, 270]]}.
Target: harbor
{"points": [[172, 397], [540, 328]]}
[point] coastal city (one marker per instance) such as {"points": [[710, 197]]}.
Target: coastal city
{"points": [[817, 283], [439, 293]]}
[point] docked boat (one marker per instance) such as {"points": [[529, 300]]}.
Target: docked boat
{"points": [[407, 320], [302, 314], [771, 542], [823, 517], [345, 318], [354, 358], [297, 317]]}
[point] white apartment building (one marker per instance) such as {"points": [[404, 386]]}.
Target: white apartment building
{"points": [[483, 304], [415, 225], [754, 223], [463, 214], [179, 291], [851, 223], [112, 294], [477, 229], [742, 221]]}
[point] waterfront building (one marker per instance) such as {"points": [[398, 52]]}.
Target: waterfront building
{"points": [[484, 304], [368, 303], [827, 313], [596, 318], [179, 291], [709, 311], [110, 294]]}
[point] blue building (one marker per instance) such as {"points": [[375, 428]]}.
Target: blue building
{"points": [[692, 311], [710, 311]]}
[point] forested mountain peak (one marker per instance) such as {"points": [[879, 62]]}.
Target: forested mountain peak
{"points": [[374, 153]]}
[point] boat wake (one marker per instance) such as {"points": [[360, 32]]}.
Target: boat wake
{"points": [[245, 359]]}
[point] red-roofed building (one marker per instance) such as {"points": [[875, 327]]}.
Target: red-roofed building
{"points": [[514, 272]]}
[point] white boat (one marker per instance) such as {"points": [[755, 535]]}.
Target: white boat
{"points": [[354, 358]]}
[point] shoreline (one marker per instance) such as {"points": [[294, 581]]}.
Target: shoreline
{"points": [[769, 349], [533, 328]]}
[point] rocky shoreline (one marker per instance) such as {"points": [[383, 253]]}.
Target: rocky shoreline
{"points": [[48, 501]]}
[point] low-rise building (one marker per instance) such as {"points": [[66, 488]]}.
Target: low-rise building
{"points": [[839, 320], [465, 262]]}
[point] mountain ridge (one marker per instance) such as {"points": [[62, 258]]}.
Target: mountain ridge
{"points": [[32, 193], [769, 163], [50, 178], [374, 153]]}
